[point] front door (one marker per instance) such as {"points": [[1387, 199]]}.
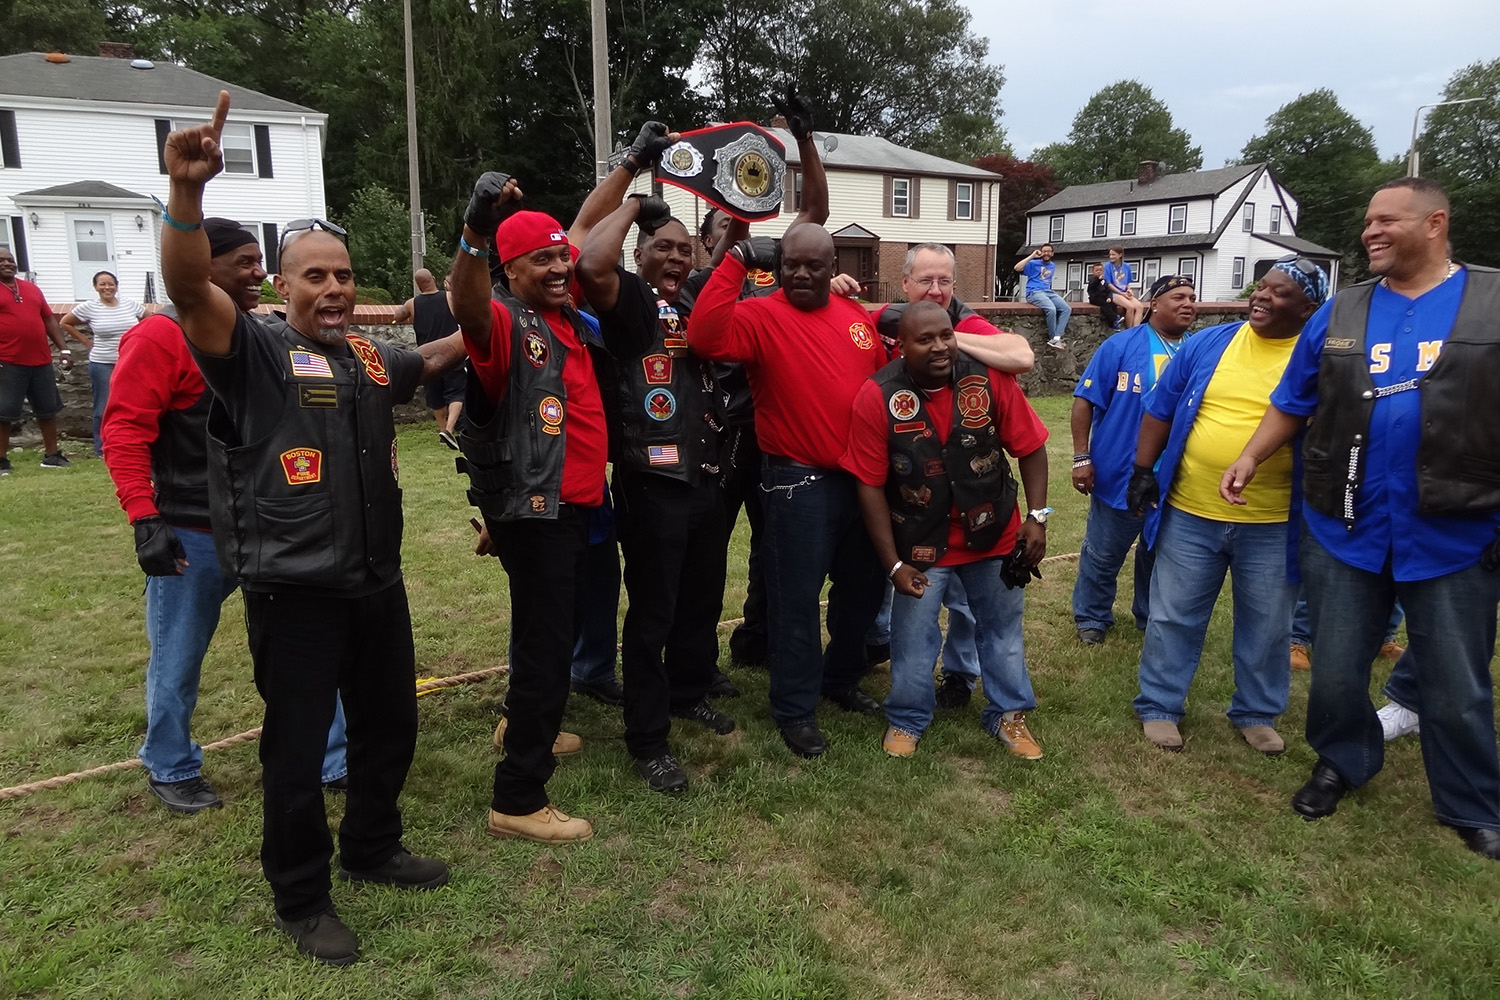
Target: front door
{"points": [[91, 250]]}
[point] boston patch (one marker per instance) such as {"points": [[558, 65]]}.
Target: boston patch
{"points": [[302, 466], [550, 410], [904, 404], [534, 346], [369, 356], [310, 396], [660, 404], [658, 369], [861, 335], [900, 464]]}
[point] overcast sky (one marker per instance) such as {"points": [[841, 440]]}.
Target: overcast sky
{"points": [[1223, 67]]}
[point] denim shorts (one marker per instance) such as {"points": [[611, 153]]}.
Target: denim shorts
{"points": [[35, 382]]}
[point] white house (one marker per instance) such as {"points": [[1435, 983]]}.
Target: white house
{"points": [[81, 142], [1222, 227], [882, 199]]}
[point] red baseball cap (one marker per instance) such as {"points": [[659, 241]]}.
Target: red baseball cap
{"points": [[527, 231]]}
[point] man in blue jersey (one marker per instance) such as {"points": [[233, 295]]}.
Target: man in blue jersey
{"points": [[1039, 269], [1106, 420], [1401, 376]]}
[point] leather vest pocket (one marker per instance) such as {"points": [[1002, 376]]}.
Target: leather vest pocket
{"points": [[297, 540]]}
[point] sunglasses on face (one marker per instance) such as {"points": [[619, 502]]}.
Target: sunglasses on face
{"points": [[304, 225]]}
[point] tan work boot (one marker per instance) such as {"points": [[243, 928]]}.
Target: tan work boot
{"points": [[548, 825], [1164, 734], [1017, 738], [899, 743], [1300, 658], [1391, 650], [1263, 738], [565, 744]]}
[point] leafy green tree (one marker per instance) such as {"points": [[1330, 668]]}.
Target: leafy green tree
{"points": [[74, 26], [1460, 147], [1327, 159], [1119, 127], [379, 240], [1023, 184]]}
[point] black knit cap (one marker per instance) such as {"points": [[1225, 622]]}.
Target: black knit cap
{"points": [[225, 235]]}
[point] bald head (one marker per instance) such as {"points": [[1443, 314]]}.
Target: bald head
{"points": [[305, 241], [806, 266], [920, 314], [425, 282]]}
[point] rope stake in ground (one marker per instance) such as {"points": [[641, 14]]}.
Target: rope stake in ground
{"points": [[424, 686]]}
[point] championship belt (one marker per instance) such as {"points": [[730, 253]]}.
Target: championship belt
{"points": [[739, 168]]}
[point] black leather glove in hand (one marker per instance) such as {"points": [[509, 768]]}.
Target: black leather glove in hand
{"points": [[653, 213], [157, 548], [485, 210], [1013, 569], [799, 119], [649, 145], [1143, 492], [758, 251]]}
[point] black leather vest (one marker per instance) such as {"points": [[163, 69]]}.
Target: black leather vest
{"points": [[179, 457], [669, 412], [514, 447], [927, 479], [315, 503], [888, 323], [1458, 457]]}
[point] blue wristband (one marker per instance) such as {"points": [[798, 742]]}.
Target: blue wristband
{"points": [[181, 227], [472, 251]]}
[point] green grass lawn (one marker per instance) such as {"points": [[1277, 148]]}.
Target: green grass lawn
{"points": [[1106, 870]]}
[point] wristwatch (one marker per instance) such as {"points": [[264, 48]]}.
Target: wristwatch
{"points": [[1039, 516]]}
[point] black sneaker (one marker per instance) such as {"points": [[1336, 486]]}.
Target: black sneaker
{"points": [[404, 871], [55, 461], [446, 436], [5, 467], [190, 795], [339, 785], [662, 774], [708, 715], [954, 692], [1091, 636], [322, 936], [722, 687], [854, 700], [608, 691]]}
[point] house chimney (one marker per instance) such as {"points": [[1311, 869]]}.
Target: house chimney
{"points": [[779, 121], [1148, 172], [117, 50]]}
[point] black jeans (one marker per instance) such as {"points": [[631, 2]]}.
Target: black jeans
{"points": [[672, 537], [306, 651], [741, 461], [544, 561]]}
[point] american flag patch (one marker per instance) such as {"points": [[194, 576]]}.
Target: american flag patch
{"points": [[310, 365], [665, 454]]}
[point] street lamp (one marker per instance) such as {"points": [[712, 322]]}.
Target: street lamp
{"points": [[1411, 162]]}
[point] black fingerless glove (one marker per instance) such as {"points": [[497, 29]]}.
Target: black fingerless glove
{"points": [[1013, 569], [653, 213], [648, 145], [1143, 492], [156, 547], [485, 210], [758, 252], [799, 119]]}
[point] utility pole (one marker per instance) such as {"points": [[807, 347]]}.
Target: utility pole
{"points": [[603, 131], [414, 186], [1412, 160]]}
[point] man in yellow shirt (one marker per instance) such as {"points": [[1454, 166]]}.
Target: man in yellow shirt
{"points": [[1198, 417]]}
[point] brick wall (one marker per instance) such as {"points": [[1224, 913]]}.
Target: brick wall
{"points": [[892, 256], [971, 283]]}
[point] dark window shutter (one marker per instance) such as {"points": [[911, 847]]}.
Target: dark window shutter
{"points": [[263, 149], [974, 202], [163, 129], [18, 243], [789, 196], [914, 185], [268, 246], [10, 149], [885, 201], [952, 200]]}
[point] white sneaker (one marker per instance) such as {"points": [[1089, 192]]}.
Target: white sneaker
{"points": [[1397, 722], [1056, 343]]}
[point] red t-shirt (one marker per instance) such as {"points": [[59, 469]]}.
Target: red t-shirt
{"points": [[868, 456], [155, 375], [23, 326], [587, 436], [804, 367]]}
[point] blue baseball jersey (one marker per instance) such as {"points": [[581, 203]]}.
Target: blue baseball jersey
{"points": [[1120, 278], [1118, 376], [1039, 275], [1403, 339]]}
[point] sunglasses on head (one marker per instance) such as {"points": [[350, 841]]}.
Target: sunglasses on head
{"points": [[1303, 264], [304, 225]]}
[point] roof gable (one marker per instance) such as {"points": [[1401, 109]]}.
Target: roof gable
{"points": [[95, 78], [1168, 187]]}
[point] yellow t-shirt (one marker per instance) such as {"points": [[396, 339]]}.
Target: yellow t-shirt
{"points": [[1233, 404]]}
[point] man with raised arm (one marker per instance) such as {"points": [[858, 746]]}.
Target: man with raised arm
{"points": [[307, 515]]}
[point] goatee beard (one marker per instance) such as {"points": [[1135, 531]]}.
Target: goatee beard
{"points": [[329, 338]]}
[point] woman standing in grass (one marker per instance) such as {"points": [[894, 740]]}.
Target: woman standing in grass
{"points": [[107, 318]]}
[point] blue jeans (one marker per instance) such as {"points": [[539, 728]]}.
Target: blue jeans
{"points": [[915, 638], [1402, 686], [1450, 622], [181, 615], [597, 648], [1192, 554], [814, 531], [1106, 542], [1056, 309], [960, 658], [1302, 629], [99, 376]]}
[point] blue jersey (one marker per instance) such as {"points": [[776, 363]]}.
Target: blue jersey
{"points": [[1403, 338], [1118, 376], [1038, 275], [1118, 278]]}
